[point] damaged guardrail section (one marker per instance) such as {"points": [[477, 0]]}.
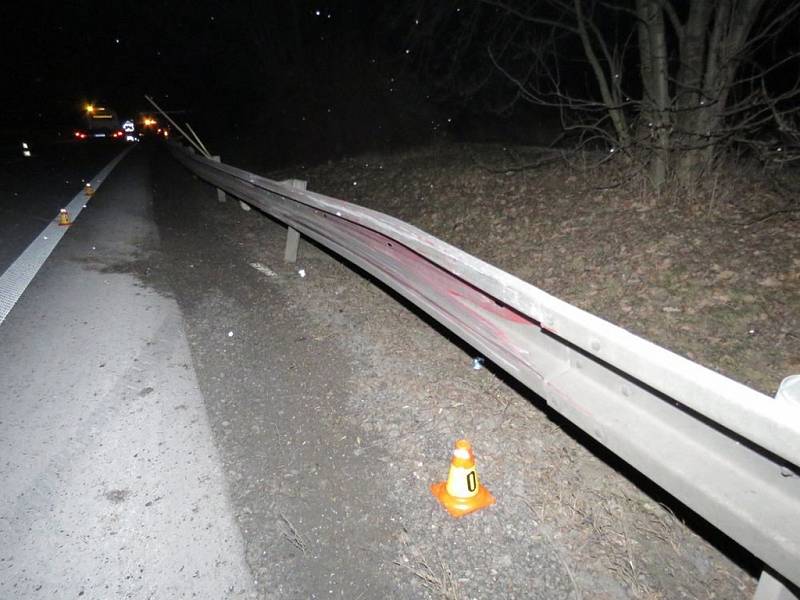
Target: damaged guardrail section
{"points": [[727, 451]]}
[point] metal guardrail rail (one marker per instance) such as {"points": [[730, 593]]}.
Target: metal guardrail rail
{"points": [[728, 452]]}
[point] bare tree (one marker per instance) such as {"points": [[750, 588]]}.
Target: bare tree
{"points": [[671, 84]]}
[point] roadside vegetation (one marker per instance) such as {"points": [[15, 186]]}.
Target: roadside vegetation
{"points": [[672, 90], [717, 281]]}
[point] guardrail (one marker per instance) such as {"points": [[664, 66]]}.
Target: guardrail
{"points": [[728, 452]]}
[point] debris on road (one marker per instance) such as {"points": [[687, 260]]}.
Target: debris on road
{"points": [[262, 268]]}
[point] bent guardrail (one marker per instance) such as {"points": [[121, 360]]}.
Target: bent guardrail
{"points": [[725, 450]]}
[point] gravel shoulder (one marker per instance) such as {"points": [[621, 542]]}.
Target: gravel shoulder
{"points": [[334, 405]]}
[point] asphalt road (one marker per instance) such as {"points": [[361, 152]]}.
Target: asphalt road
{"points": [[32, 190], [110, 483]]}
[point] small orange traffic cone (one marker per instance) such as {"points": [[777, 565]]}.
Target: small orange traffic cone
{"points": [[63, 217], [462, 493], [88, 190]]}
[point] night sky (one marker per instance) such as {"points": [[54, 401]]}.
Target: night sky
{"points": [[232, 66], [324, 76]]}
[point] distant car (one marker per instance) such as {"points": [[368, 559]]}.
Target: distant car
{"points": [[149, 126], [81, 134]]}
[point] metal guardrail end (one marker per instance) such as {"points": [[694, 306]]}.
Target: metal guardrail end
{"points": [[789, 389]]}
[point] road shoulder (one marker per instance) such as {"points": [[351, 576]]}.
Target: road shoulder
{"points": [[111, 480]]}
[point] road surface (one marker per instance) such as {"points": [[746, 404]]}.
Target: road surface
{"points": [[111, 485]]}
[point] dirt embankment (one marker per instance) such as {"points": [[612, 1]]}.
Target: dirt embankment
{"points": [[716, 280]]}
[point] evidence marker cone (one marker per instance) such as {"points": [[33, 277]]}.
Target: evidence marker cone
{"points": [[462, 493], [88, 190], [63, 217]]}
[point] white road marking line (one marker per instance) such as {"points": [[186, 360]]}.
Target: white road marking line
{"points": [[19, 275]]}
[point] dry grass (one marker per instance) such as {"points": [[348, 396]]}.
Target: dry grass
{"points": [[293, 535], [435, 575]]}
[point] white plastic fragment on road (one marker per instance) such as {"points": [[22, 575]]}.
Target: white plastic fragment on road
{"points": [[262, 268], [477, 363], [302, 272], [19, 275]]}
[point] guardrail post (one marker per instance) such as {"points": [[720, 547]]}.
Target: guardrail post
{"points": [[220, 193], [292, 235], [769, 588]]}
